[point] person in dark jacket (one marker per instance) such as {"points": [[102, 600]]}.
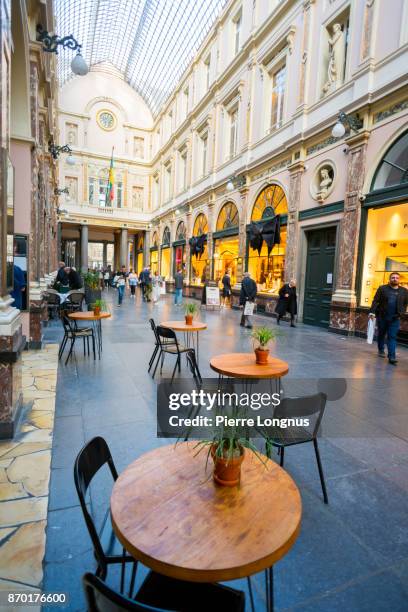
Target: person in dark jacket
{"points": [[226, 288], [389, 304], [287, 302], [247, 294], [62, 276], [178, 287], [74, 278], [19, 286]]}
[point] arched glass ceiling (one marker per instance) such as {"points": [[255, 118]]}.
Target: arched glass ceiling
{"points": [[150, 41]]}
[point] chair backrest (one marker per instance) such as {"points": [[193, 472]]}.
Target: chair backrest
{"points": [[192, 362], [52, 298], [154, 329], [167, 334], [76, 297], [101, 598], [89, 461], [68, 324], [307, 406]]}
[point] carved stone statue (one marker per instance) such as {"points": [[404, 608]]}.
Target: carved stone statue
{"points": [[335, 66], [325, 183]]}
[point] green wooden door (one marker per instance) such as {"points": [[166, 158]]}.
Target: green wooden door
{"points": [[321, 247]]}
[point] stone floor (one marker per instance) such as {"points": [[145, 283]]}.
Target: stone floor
{"points": [[24, 476], [351, 554]]}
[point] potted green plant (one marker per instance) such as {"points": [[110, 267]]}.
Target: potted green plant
{"points": [[190, 309], [99, 306], [92, 287], [262, 336], [227, 450]]}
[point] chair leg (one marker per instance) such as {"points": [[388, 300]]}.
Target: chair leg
{"points": [[87, 343], [84, 345], [319, 465], [162, 361], [93, 346], [157, 363], [179, 361], [282, 455], [153, 357], [122, 572], [175, 368], [70, 349], [62, 347]]}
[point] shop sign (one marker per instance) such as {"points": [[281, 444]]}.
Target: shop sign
{"points": [[212, 296]]}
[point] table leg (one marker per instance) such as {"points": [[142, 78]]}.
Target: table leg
{"points": [[269, 589]]}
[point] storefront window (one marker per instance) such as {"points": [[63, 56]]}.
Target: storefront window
{"points": [[393, 169], [154, 261], [386, 249], [268, 272], [228, 217], [165, 263], [179, 258], [225, 258], [139, 253], [199, 262]]}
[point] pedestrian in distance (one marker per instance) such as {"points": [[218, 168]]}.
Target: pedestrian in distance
{"points": [[132, 280], [178, 287], [226, 289], [389, 304], [247, 299], [287, 302]]}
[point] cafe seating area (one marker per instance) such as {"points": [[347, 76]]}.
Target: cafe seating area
{"points": [[149, 527]]}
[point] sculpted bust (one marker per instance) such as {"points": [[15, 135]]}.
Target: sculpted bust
{"points": [[325, 183]]}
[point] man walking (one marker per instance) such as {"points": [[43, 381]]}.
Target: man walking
{"points": [[178, 288], [247, 294], [389, 303]]}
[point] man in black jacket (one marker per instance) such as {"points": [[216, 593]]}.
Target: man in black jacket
{"points": [[389, 304], [247, 294]]}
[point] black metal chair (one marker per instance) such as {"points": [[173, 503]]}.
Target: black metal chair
{"points": [[72, 332], [74, 301], [161, 594], [156, 344], [169, 345], [107, 549], [193, 365], [311, 407], [53, 303]]}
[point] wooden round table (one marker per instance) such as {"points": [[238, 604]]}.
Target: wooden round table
{"points": [[169, 514], [188, 331], [96, 323], [243, 365]]}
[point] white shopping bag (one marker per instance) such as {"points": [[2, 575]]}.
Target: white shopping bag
{"points": [[370, 330], [249, 308]]}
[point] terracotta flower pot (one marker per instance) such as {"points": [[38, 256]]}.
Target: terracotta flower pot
{"points": [[227, 472], [189, 319], [262, 356], [97, 310]]}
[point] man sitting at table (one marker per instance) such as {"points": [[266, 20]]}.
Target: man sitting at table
{"points": [[74, 278]]}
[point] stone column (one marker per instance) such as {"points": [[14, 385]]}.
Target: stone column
{"points": [[116, 250], [146, 249], [134, 262], [296, 170], [123, 248], [209, 269], [344, 300], [189, 231], [105, 254], [84, 247], [59, 235]]}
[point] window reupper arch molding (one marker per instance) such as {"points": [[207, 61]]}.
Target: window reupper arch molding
{"points": [[270, 201]]}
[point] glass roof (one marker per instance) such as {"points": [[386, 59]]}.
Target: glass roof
{"points": [[150, 41]]}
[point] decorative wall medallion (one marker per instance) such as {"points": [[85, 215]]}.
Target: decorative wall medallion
{"points": [[323, 181], [106, 120]]}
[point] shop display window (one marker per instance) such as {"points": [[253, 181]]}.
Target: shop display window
{"points": [[139, 261], [385, 250], [225, 258], [199, 264], [154, 261], [179, 258], [165, 263], [268, 272]]}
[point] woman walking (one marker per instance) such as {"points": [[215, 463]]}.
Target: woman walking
{"points": [[132, 279], [156, 283], [226, 289], [120, 282], [287, 302]]}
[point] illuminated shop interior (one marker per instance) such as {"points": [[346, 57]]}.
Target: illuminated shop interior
{"points": [[225, 258], [199, 264]]}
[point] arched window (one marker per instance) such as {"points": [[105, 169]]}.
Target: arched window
{"points": [[181, 231], [393, 168], [200, 225], [166, 236], [228, 217], [155, 240], [270, 202]]}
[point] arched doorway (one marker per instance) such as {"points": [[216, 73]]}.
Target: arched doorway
{"points": [[226, 242]]}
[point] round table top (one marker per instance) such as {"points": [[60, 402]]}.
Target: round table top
{"points": [[182, 326], [168, 512], [243, 365], [89, 316]]}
